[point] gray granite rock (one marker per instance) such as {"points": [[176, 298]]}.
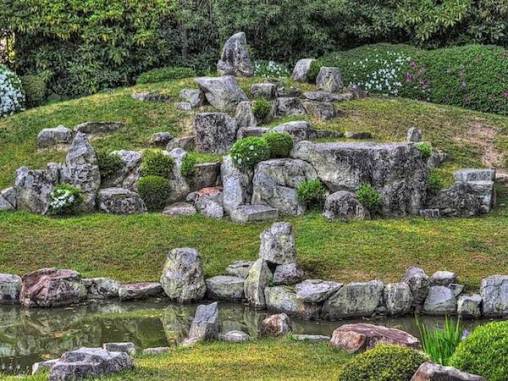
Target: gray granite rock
{"points": [[8, 197], [494, 292], [299, 130], [186, 143], [329, 79], [321, 96], [264, 90], [460, 200], [204, 175], [151, 96], [344, 206], [310, 338], [223, 93], [287, 274], [235, 58], [276, 325], [414, 135], [120, 201], [215, 132], [239, 268], [419, 284], [194, 97], [178, 184], [429, 214], [101, 288], [278, 244], [43, 366], [155, 351], [54, 137], [98, 127], [179, 209], [160, 139], [139, 291], [205, 325], [301, 70], [469, 306], [316, 290], [288, 106], [472, 174], [127, 347], [244, 116], [183, 106], [225, 287], [245, 132], [359, 135], [283, 299], [320, 110], [10, 288], [244, 214], [398, 298], [235, 336], [128, 174], [258, 278], [237, 187], [440, 301], [208, 202], [443, 278], [33, 188]]}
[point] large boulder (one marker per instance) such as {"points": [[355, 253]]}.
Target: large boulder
{"points": [[344, 206], [205, 325], [301, 70], [329, 79], [440, 301], [276, 325], [225, 287], [284, 299], [182, 277], [434, 372], [275, 183], [33, 187], [419, 284], [236, 185], [235, 58], [316, 290], [398, 298], [10, 288], [359, 299], [494, 292], [128, 174], [223, 93], [278, 244], [215, 132], [358, 337], [299, 130], [54, 137], [120, 201], [52, 288], [81, 169], [258, 278], [397, 171]]}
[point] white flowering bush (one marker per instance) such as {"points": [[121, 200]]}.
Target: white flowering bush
{"points": [[11, 93], [247, 152], [64, 200], [270, 69]]}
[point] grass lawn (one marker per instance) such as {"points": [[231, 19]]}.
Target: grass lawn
{"points": [[265, 359]]}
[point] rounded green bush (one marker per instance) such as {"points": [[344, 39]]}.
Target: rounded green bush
{"points": [[383, 363], [35, 88], [109, 164], [280, 143], [369, 197], [311, 192], [247, 152], [425, 149], [156, 163], [64, 199], [154, 191], [484, 352], [188, 163], [261, 109]]}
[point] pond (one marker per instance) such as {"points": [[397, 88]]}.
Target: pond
{"points": [[31, 335]]}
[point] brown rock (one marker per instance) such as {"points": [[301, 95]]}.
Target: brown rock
{"points": [[434, 372], [276, 325], [358, 337]]}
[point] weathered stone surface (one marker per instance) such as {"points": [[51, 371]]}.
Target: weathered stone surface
{"points": [[180, 209], [275, 183], [264, 90], [283, 299], [321, 96], [239, 268], [429, 213], [225, 287], [194, 97], [186, 143], [398, 298], [288, 91], [101, 288], [139, 291], [183, 106], [235, 336], [54, 137], [245, 132], [301, 70], [120, 201], [494, 292], [182, 277], [155, 351], [178, 184], [472, 174], [160, 139], [237, 185], [469, 306], [437, 157], [98, 127], [81, 169], [288, 274], [235, 58], [8, 198], [276, 325], [208, 202], [329, 79], [358, 135], [397, 171], [320, 110], [127, 347], [433, 372], [33, 188], [215, 132], [456, 288], [252, 213], [414, 135], [129, 173], [443, 278], [278, 244], [354, 338], [43, 366], [419, 284], [316, 290], [223, 93], [460, 200], [359, 299], [288, 106], [485, 192], [52, 288], [205, 325], [311, 338], [258, 278], [204, 175], [344, 206], [244, 116], [299, 130], [10, 288], [151, 96], [88, 363], [440, 301]]}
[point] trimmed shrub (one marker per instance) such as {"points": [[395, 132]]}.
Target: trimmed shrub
{"points": [[11, 94], [109, 164], [35, 88], [383, 363], [154, 190], [64, 199], [188, 163], [369, 197], [425, 149], [261, 109], [312, 193], [156, 163], [280, 144], [484, 352], [247, 152], [165, 74]]}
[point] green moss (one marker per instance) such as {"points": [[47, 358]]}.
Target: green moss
{"points": [[425, 149], [154, 190]]}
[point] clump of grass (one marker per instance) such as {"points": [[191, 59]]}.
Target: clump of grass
{"points": [[425, 149], [440, 344], [369, 197], [312, 193]]}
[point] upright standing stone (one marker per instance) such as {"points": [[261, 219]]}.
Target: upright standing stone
{"points": [[33, 187], [278, 244], [236, 185], [244, 116], [301, 70], [10, 287], [205, 325], [258, 278], [419, 283], [223, 93], [398, 298], [414, 135], [215, 132], [235, 58], [469, 306], [494, 292], [329, 79]]}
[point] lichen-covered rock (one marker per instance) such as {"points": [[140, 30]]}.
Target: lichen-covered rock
{"points": [[10, 288], [204, 175], [460, 200], [398, 298], [258, 278], [320, 110], [359, 299], [434, 372], [160, 139], [288, 106], [316, 290], [278, 244], [472, 175], [205, 325], [101, 288], [126, 347], [236, 185], [239, 268], [235, 58], [8, 197], [329, 79], [180, 209], [252, 213], [54, 137], [224, 287], [494, 292], [128, 174], [139, 291], [275, 183], [443, 278], [301, 70], [414, 135], [299, 130], [469, 306], [419, 283], [287, 274], [195, 97], [208, 202], [178, 184], [223, 93], [276, 325], [215, 132], [98, 127], [235, 336], [120, 201], [440, 301], [344, 206], [186, 143], [244, 115], [283, 299], [33, 187], [264, 90]]}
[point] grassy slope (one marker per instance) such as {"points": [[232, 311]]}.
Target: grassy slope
{"points": [[132, 248]]}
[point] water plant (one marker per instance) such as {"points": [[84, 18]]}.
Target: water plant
{"points": [[440, 343]]}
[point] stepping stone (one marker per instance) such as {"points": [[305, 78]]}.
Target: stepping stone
{"points": [[252, 213]]}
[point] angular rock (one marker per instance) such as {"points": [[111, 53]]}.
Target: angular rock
{"points": [[471, 174], [52, 288], [54, 137], [440, 301], [10, 288], [235, 58], [321, 96], [358, 299], [316, 290], [120, 201], [8, 199], [469, 306], [98, 127], [205, 325], [443, 278], [494, 292], [288, 91], [311, 338], [239, 268], [320, 110], [151, 96], [456, 289], [419, 284], [301, 70], [180, 209], [215, 132], [253, 213], [183, 106], [208, 202], [398, 298], [288, 106], [101, 288], [283, 299], [264, 90], [276, 325], [155, 351], [186, 143], [485, 192], [128, 174], [139, 291], [288, 274], [178, 184], [245, 132], [237, 185], [275, 183], [414, 135], [460, 200], [195, 97], [437, 157], [4, 205], [344, 206], [299, 130], [223, 93], [129, 348], [224, 287], [278, 244], [160, 139], [81, 169], [182, 277], [329, 79], [358, 135], [358, 337], [433, 372], [258, 278], [43, 366], [204, 175], [235, 337], [244, 116], [33, 188]]}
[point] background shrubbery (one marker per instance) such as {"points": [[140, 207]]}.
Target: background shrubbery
{"points": [[11, 94]]}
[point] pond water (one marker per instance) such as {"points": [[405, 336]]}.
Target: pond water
{"points": [[31, 335]]}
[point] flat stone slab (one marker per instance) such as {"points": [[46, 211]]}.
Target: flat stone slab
{"points": [[136, 291], [252, 213], [316, 290]]}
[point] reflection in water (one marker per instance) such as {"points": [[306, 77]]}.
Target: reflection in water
{"points": [[27, 336]]}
